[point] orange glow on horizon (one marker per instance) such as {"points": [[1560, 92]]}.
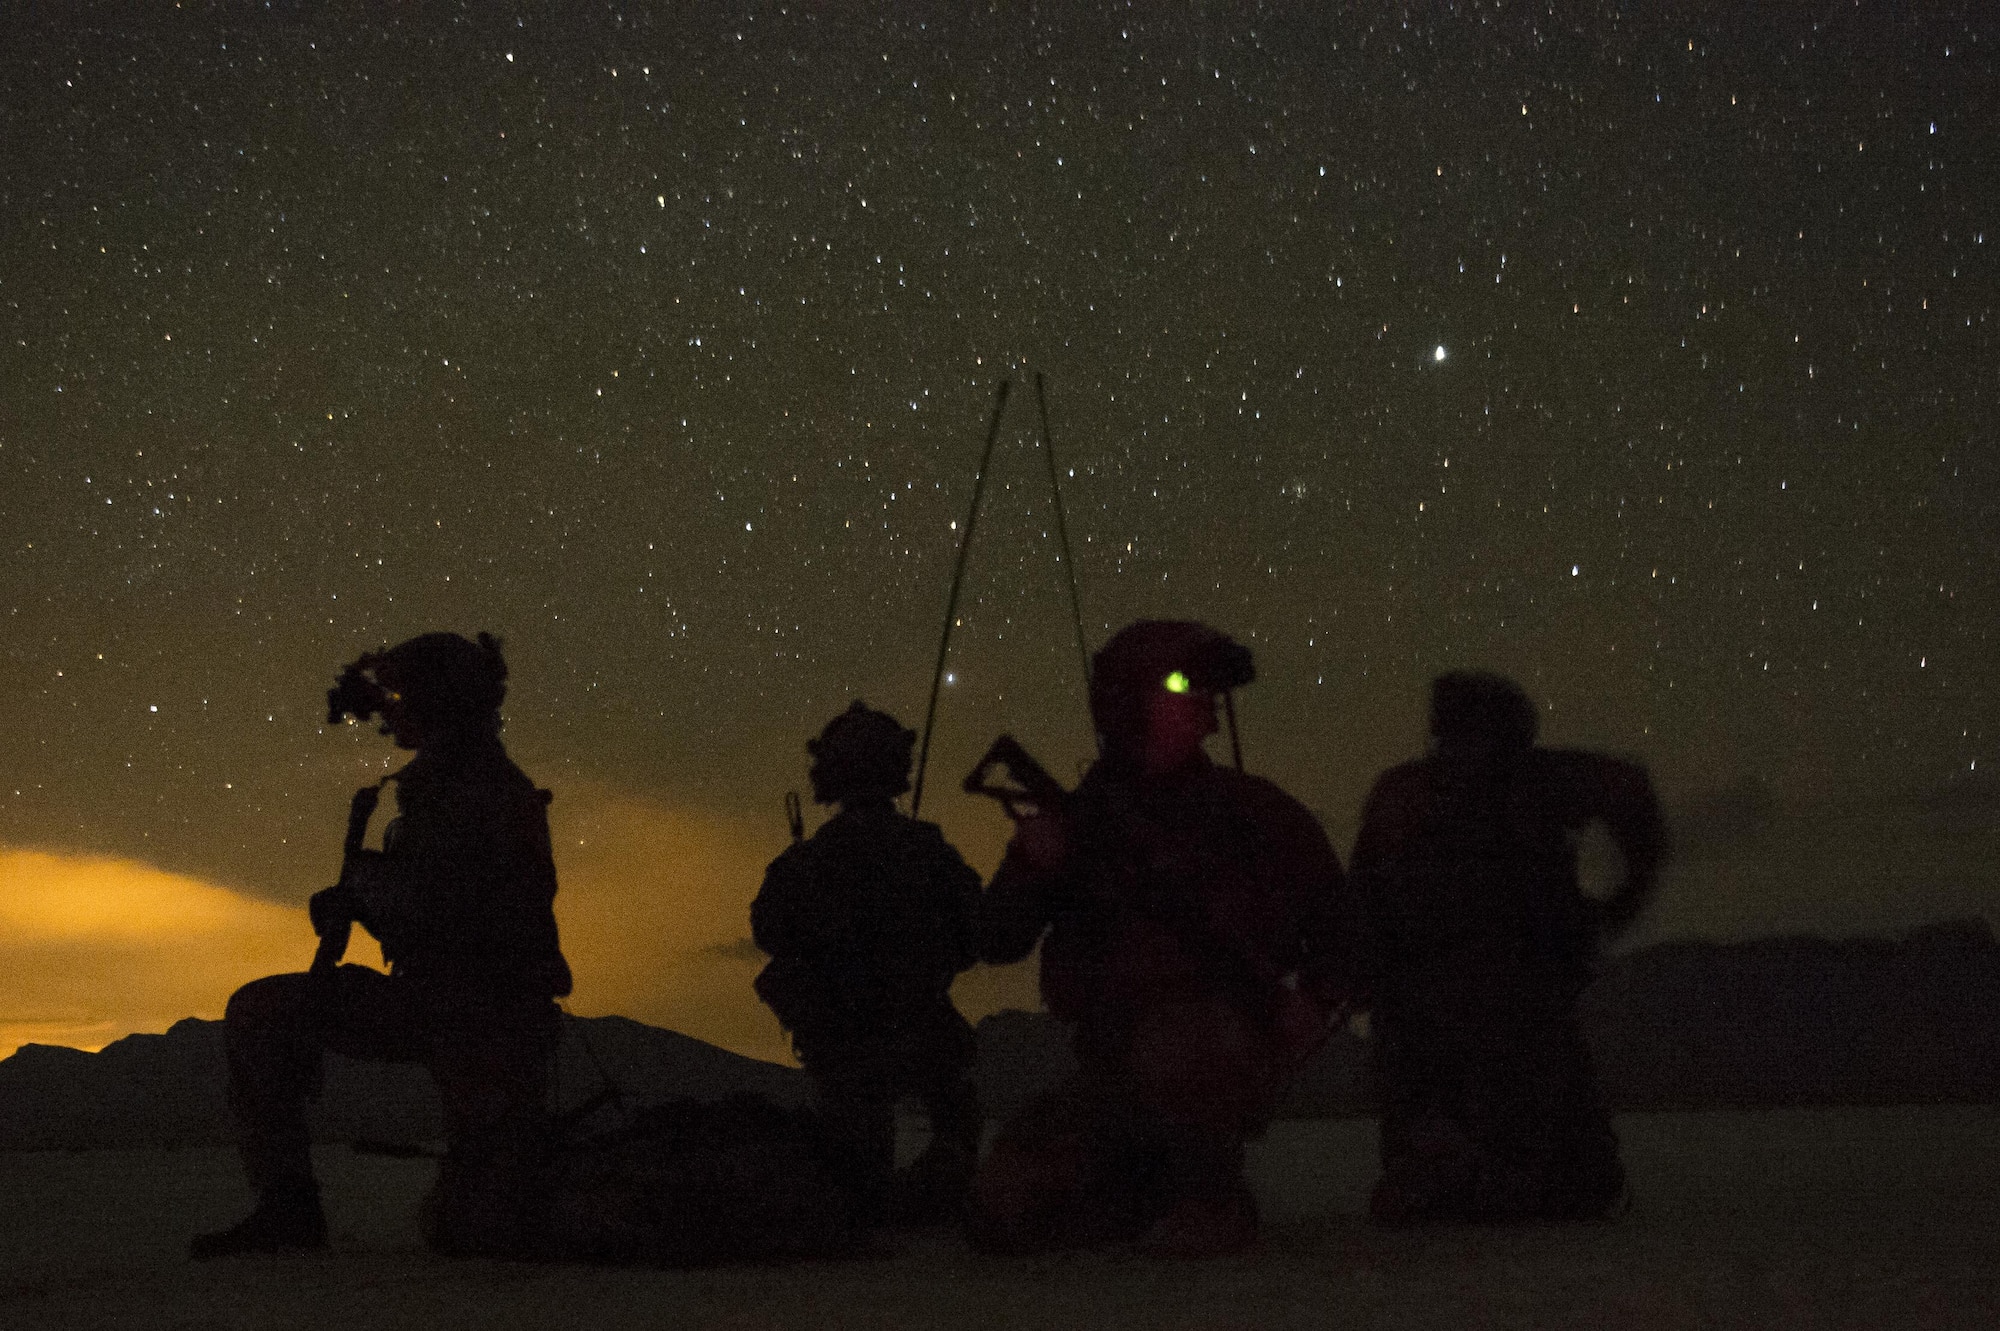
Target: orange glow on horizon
{"points": [[654, 910], [92, 948], [655, 916]]}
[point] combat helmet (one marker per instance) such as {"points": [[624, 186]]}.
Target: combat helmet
{"points": [[1153, 654], [452, 682], [861, 752]]}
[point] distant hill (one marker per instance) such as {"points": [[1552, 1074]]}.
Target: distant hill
{"points": [[1774, 1022], [171, 1090], [1802, 1021], [1765, 1024]]}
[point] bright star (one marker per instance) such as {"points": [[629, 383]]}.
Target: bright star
{"points": [[1439, 353]]}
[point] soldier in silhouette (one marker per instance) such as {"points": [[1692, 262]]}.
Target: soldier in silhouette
{"points": [[1189, 918], [1481, 941], [867, 923], [460, 897]]}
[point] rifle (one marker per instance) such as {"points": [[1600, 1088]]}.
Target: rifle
{"points": [[334, 932], [1032, 784]]}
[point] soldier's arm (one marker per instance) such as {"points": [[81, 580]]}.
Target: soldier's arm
{"points": [[1389, 820], [1317, 943], [1016, 907], [1630, 810], [957, 885], [1330, 922]]}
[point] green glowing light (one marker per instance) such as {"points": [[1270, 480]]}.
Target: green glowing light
{"points": [[1177, 683]]}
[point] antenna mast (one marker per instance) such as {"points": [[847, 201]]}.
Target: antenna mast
{"points": [[1062, 534], [957, 581]]}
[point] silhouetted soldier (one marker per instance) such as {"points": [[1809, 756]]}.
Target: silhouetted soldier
{"points": [[1482, 942], [460, 898], [867, 923], [1188, 916]]}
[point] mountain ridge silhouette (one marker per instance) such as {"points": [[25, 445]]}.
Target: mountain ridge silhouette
{"points": [[171, 1090], [1785, 1022]]}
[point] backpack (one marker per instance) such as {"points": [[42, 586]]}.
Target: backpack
{"points": [[698, 1183]]}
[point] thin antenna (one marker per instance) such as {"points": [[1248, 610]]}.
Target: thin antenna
{"points": [[1062, 534], [1235, 744], [957, 580]]}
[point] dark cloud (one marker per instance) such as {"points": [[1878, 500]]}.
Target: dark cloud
{"points": [[741, 949]]}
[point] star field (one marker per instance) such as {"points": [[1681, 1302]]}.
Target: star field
{"points": [[1646, 353]]}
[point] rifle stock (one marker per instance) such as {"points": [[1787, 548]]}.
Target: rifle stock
{"points": [[1032, 784]]}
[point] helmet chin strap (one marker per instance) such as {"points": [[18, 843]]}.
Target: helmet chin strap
{"points": [[1235, 743]]}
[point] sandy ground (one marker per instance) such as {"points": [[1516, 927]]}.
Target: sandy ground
{"points": [[1849, 1218]]}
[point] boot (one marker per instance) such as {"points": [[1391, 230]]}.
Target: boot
{"points": [[287, 1218]]}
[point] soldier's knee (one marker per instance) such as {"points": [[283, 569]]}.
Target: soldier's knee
{"points": [[273, 1000]]}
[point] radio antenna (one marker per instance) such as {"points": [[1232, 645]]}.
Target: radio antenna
{"points": [[957, 581], [1068, 560]]}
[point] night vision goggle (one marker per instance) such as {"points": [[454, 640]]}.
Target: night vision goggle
{"points": [[355, 696], [1217, 667]]}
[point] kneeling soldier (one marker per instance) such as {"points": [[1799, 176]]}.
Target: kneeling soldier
{"points": [[461, 899], [867, 923], [1482, 942], [1191, 926]]}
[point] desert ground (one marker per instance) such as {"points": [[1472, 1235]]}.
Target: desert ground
{"points": [[1814, 1218]]}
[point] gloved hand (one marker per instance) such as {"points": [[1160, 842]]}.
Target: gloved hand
{"points": [[332, 908], [1043, 840]]}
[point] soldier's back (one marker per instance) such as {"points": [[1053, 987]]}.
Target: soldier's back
{"points": [[879, 903], [907, 894], [1468, 873]]}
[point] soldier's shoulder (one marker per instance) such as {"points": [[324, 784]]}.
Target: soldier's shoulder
{"points": [[1581, 784], [1262, 796], [1248, 786], [1586, 766], [795, 858], [861, 827], [920, 829], [1401, 787], [518, 785], [919, 841], [1415, 772], [484, 766]]}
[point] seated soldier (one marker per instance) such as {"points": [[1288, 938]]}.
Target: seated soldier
{"points": [[867, 924], [461, 899], [1482, 941], [1188, 920]]}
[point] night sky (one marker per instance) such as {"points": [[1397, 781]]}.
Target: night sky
{"points": [[1646, 354]]}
